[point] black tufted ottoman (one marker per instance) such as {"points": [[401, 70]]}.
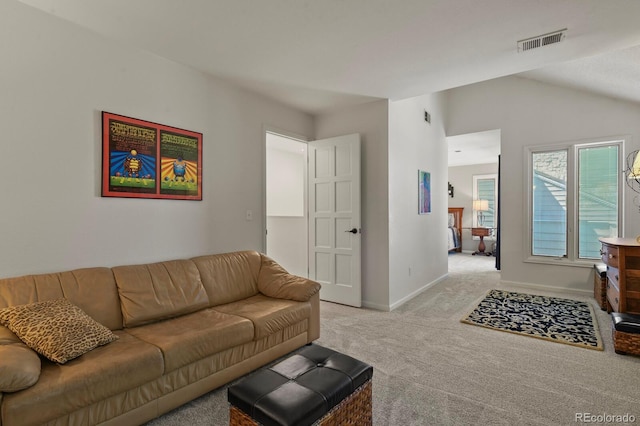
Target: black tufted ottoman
{"points": [[316, 384]]}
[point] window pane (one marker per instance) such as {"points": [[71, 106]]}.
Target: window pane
{"points": [[487, 191], [597, 198], [549, 203]]}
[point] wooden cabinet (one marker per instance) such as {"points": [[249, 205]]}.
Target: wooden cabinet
{"points": [[622, 258], [480, 232]]}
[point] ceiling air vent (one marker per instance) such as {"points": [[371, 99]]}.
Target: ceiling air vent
{"points": [[541, 40]]}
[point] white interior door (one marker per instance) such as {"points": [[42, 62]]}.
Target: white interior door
{"points": [[334, 218]]}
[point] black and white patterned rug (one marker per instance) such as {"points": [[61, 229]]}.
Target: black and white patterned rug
{"points": [[559, 320]]}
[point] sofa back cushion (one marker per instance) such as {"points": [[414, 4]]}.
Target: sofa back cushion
{"points": [[91, 289], [229, 277], [156, 291]]}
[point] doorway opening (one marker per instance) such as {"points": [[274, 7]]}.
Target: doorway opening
{"points": [[474, 172], [286, 239], [312, 205]]}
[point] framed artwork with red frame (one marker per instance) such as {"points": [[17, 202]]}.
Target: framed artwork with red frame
{"points": [[141, 159]]}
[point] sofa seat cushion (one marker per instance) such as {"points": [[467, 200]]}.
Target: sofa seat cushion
{"points": [[195, 336], [268, 315], [104, 372]]}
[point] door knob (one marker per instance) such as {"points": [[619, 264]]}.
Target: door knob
{"points": [[353, 231]]}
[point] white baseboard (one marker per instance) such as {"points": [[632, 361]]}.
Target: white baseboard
{"points": [[554, 289], [523, 285], [417, 292], [386, 308], [376, 306]]}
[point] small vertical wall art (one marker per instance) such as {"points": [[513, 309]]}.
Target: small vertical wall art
{"points": [[424, 192]]}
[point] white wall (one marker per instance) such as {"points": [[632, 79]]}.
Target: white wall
{"points": [[417, 243], [56, 78], [396, 142], [285, 182], [533, 113], [54, 81], [461, 177], [370, 120], [287, 243]]}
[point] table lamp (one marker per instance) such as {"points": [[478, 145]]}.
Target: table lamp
{"points": [[633, 176], [480, 206]]}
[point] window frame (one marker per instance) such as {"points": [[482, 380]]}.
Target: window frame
{"points": [[572, 229]]}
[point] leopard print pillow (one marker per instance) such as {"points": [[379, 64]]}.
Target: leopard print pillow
{"points": [[56, 329]]}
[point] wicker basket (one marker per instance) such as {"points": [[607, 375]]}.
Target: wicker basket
{"points": [[626, 343], [600, 288], [239, 418], [354, 410]]}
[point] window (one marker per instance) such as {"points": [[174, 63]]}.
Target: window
{"points": [[574, 199], [549, 226], [485, 187], [598, 197]]}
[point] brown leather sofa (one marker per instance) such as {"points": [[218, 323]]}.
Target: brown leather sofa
{"points": [[184, 327]]}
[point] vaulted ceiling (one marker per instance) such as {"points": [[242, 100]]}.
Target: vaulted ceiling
{"points": [[321, 54], [316, 55]]}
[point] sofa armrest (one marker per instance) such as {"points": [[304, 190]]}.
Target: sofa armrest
{"points": [[313, 332], [275, 281], [19, 364]]}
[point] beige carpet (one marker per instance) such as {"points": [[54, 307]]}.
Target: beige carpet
{"points": [[431, 369]]}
